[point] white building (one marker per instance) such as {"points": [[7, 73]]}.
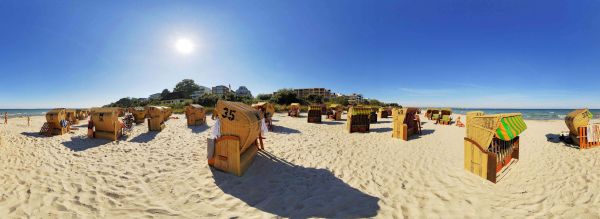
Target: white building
{"points": [[243, 91], [155, 96], [203, 90], [220, 90], [355, 98]]}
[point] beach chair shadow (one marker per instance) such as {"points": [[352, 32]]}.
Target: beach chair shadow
{"points": [[33, 134], [327, 122], [80, 143], [286, 190], [144, 137], [284, 130], [381, 130], [199, 129], [423, 133], [554, 138]]}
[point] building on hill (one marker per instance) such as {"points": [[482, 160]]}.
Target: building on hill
{"points": [[242, 91], [304, 92], [203, 90], [221, 90]]}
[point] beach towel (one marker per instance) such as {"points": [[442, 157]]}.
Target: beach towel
{"points": [[263, 127], [64, 123], [216, 130], [593, 133]]}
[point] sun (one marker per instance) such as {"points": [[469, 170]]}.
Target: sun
{"points": [[184, 46]]}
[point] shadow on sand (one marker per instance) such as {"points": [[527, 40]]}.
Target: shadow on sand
{"points": [[331, 122], [423, 133], [199, 129], [286, 190], [284, 130], [564, 141], [381, 130], [33, 134], [83, 143], [144, 137]]}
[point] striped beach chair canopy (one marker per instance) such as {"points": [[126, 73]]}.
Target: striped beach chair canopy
{"points": [[483, 128], [510, 126]]}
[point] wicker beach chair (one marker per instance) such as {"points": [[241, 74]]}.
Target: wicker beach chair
{"points": [[139, 114], [336, 112], [195, 115], [404, 123], [358, 119], [314, 113], [240, 138], [267, 111], [71, 115], [56, 123], [434, 114], [445, 118], [492, 142], [80, 114], [106, 123], [373, 114], [294, 110], [383, 113], [578, 122], [168, 112], [156, 117]]}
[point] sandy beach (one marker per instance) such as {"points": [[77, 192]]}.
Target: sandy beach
{"points": [[307, 170]]}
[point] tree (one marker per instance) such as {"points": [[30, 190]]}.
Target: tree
{"points": [[164, 93], [187, 87], [374, 102], [209, 100], [285, 97], [314, 98], [342, 100], [264, 97]]}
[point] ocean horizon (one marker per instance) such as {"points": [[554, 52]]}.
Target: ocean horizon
{"points": [[532, 114]]}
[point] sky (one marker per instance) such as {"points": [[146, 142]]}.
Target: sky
{"points": [[493, 54]]}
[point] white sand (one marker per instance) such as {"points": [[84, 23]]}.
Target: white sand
{"points": [[311, 170]]}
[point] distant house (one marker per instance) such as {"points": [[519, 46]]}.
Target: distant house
{"points": [[242, 91], [220, 90], [305, 92], [355, 98], [155, 96], [203, 90]]}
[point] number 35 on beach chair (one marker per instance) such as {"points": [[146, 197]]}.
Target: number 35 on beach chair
{"points": [[238, 137]]}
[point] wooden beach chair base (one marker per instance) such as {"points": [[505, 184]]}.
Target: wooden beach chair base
{"points": [[229, 158], [486, 164], [582, 139], [155, 125], [403, 132]]}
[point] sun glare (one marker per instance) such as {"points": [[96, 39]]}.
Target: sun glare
{"points": [[184, 46]]}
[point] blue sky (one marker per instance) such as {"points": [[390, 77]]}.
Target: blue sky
{"points": [[525, 54]]}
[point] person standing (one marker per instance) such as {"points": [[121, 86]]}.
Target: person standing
{"points": [[28, 119], [5, 118]]}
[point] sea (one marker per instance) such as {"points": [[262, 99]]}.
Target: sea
{"points": [[533, 114], [23, 112]]}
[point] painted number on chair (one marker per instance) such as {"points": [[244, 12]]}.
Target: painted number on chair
{"points": [[229, 114]]}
